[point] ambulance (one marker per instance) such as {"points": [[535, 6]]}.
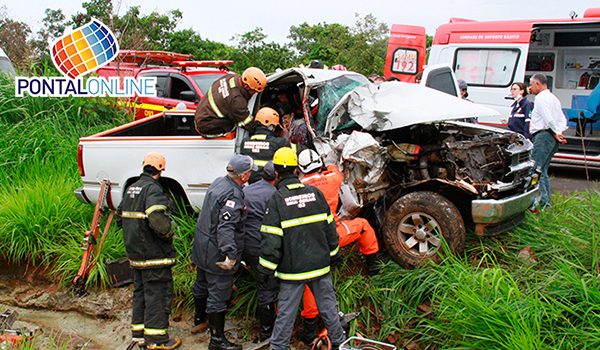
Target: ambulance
{"points": [[492, 55]]}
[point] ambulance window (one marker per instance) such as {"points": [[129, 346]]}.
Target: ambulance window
{"points": [[540, 61], [405, 61], [486, 67], [569, 39]]}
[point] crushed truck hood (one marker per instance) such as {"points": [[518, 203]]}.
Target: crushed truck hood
{"points": [[392, 105]]}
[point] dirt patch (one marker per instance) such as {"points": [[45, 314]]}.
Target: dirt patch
{"points": [[99, 320]]}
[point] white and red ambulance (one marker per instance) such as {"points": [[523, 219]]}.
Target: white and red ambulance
{"points": [[492, 55]]}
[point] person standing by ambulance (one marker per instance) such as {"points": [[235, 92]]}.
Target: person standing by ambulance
{"points": [[262, 145], [225, 105], [218, 246], [148, 239], [298, 245], [546, 127], [521, 110]]}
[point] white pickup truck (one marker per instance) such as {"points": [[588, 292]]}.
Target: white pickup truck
{"points": [[411, 166]]}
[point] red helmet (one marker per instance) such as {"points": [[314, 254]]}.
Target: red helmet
{"points": [[339, 67]]}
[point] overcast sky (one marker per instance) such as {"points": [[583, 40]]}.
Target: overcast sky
{"points": [[221, 20]]}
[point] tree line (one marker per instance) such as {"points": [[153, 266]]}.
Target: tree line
{"points": [[360, 48]]}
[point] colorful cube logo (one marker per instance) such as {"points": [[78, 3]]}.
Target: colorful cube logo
{"points": [[86, 48]]}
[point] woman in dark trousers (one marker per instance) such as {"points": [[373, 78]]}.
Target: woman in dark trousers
{"points": [[521, 110]]}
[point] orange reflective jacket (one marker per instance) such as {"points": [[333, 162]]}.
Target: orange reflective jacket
{"points": [[329, 182]]}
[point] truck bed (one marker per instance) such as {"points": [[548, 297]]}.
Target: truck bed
{"points": [[167, 124], [192, 162]]}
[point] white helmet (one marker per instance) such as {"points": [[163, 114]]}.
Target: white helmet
{"points": [[309, 160]]}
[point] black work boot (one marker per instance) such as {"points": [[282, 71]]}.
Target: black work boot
{"points": [[372, 262], [308, 333], [266, 314], [200, 313], [218, 341]]}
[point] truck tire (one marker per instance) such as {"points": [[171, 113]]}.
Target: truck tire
{"points": [[415, 226]]}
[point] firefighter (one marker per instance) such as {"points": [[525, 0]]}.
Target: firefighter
{"points": [[256, 197], [225, 105], [148, 238], [329, 180], [262, 145], [298, 245], [217, 248]]}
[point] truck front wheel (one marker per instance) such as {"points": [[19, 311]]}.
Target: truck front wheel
{"points": [[417, 223]]}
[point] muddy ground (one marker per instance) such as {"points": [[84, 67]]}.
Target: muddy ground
{"points": [[97, 321]]}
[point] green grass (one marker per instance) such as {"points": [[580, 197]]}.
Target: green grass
{"points": [[491, 299], [40, 219], [487, 298]]}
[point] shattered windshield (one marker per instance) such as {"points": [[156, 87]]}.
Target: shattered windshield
{"points": [[331, 92]]}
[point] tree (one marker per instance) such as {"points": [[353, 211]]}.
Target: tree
{"points": [[53, 27], [361, 48], [252, 50], [322, 41], [134, 32], [428, 43], [13, 39], [368, 52], [189, 42]]}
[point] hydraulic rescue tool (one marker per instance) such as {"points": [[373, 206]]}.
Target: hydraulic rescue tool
{"points": [[90, 245]]}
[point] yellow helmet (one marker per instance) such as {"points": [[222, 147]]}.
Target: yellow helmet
{"points": [[267, 116], [285, 156], [254, 78], [156, 160]]}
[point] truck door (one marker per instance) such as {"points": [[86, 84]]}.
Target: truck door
{"points": [[179, 84], [149, 106], [406, 52]]}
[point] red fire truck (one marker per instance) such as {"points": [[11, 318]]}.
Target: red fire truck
{"points": [[179, 79]]}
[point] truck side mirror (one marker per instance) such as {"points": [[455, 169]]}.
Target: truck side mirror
{"points": [[188, 96]]}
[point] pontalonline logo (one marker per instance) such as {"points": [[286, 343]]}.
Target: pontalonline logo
{"points": [[81, 51]]}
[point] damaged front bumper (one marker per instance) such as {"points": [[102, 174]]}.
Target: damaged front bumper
{"points": [[493, 216]]}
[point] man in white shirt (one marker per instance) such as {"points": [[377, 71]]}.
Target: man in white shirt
{"points": [[546, 126]]}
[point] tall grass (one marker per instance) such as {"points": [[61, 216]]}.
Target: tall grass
{"points": [[492, 299], [38, 211]]}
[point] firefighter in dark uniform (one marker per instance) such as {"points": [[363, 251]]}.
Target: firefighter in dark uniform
{"points": [[256, 197], [218, 246], [299, 243], [225, 105], [262, 145], [148, 238]]}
